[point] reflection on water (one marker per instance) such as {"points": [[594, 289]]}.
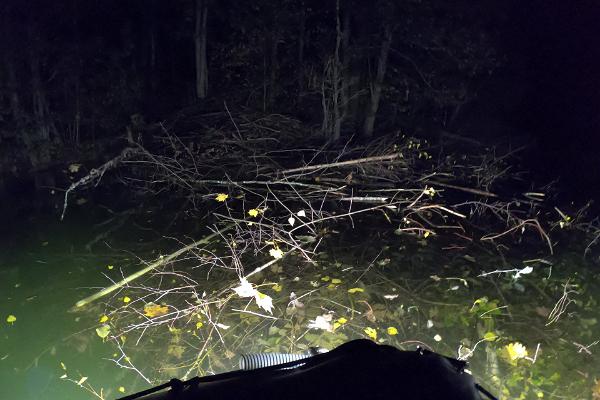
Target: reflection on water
{"points": [[528, 329]]}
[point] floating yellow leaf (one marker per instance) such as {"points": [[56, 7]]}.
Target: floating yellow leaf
{"points": [[126, 299], [356, 290], [277, 287], [103, 331], [426, 234], [371, 332], [110, 266], [326, 278], [11, 319], [121, 389], [103, 319], [199, 325], [336, 281], [392, 331], [63, 366], [221, 197], [516, 351], [152, 310], [490, 336], [276, 253], [83, 379], [339, 322], [253, 212]]}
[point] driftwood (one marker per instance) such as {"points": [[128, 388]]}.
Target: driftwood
{"points": [[388, 157], [161, 261], [96, 174]]}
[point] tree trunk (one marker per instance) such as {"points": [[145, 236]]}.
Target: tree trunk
{"points": [[274, 67], [337, 78], [200, 49], [377, 85], [301, 44]]}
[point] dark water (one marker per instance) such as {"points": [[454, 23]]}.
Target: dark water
{"points": [[411, 291]]}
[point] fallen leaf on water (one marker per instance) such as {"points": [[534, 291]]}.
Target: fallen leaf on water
{"points": [[263, 301], [516, 351], [83, 379], [103, 331], [371, 332], [321, 322], [245, 289], [152, 310], [277, 287], [221, 197], [356, 290], [11, 319], [276, 253]]}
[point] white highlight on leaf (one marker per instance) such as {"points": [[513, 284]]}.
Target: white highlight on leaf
{"points": [[263, 301], [524, 271], [322, 322], [245, 289], [276, 253]]}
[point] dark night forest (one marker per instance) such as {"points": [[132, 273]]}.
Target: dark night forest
{"points": [[184, 181]]}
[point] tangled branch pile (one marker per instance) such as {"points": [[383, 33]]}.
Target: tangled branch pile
{"points": [[272, 192]]}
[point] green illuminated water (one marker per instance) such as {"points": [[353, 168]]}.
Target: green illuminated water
{"points": [[424, 289]]}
